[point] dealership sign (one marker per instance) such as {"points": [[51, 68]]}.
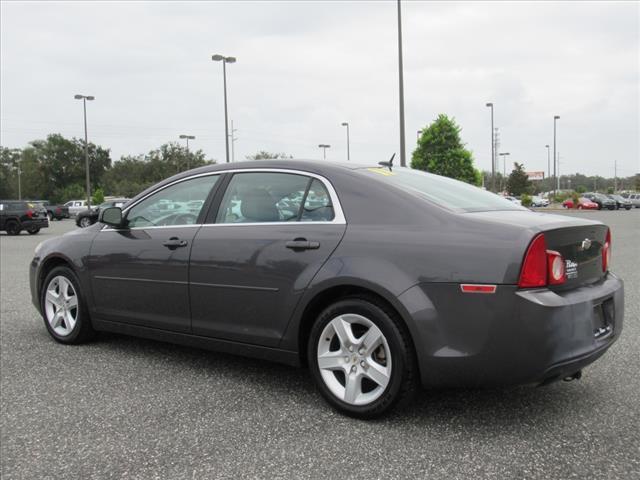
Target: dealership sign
{"points": [[535, 175]]}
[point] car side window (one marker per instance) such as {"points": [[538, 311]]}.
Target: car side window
{"points": [[317, 204], [179, 204], [263, 197]]}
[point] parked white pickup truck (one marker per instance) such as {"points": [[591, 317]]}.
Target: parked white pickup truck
{"points": [[76, 206]]}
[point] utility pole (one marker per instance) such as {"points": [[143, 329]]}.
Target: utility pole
{"points": [[615, 176], [19, 179], [493, 152], [187, 137], [403, 160], [233, 142]]}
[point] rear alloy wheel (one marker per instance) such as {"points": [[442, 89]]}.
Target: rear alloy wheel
{"points": [[33, 230], [85, 222], [360, 358], [63, 308], [13, 228]]}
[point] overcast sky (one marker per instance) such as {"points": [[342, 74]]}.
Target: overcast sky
{"points": [[304, 68]]}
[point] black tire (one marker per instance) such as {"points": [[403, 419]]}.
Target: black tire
{"points": [[84, 222], [403, 379], [627, 208], [33, 230], [13, 228], [83, 330]]}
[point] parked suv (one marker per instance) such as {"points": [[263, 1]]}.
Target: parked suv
{"points": [[634, 198], [87, 218], [602, 200], [18, 215]]}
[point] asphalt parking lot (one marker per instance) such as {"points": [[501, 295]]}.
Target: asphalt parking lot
{"points": [[129, 408]]}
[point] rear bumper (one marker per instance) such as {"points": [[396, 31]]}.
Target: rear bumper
{"points": [[510, 337], [36, 222]]}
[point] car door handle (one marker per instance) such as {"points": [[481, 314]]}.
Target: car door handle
{"points": [[302, 244], [175, 242]]}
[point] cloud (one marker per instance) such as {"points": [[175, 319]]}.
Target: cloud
{"points": [[305, 67]]}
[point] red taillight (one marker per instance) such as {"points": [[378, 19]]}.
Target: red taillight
{"points": [[534, 268], [30, 213], [557, 274], [541, 267], [606, 252]]}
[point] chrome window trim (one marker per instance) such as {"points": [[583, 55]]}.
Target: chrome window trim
{"points": [[338, 218]]}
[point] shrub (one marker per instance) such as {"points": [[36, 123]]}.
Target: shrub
{"points": [[525, 200]]}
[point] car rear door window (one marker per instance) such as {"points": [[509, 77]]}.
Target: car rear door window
{"points": [[178, 204], [263, 197]]}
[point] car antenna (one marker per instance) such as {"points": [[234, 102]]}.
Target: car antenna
{"points": [[389, 163]]}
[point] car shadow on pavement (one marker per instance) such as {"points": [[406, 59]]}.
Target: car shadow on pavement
{"points": [[435, 408]]}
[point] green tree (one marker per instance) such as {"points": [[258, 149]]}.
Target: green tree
{"points": [[98, 197], [9, 165], [49, 166], [441, 151], [263, 155], [132, 174], [518, 182]]}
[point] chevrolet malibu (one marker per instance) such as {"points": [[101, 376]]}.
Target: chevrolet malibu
{"points": [[379, 279]]}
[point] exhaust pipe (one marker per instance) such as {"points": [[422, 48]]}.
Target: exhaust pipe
{"points": [[575, 376]]}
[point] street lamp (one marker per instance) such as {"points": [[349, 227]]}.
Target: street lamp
{"points": [[187, 138], [504, 163], [403, 161], [346, 124], [419, 133], [225, 60], [493, 154], [324, 147], [84, 99], [556, 179], [548, 162]]}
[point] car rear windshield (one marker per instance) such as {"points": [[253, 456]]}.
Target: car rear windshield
{"points": [[443, 191]]}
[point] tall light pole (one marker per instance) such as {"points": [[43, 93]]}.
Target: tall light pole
{"points": [[324, 147], [493, 152], [548, 161], [504, 167], [346, 124], [225, 60], [403, 160], [555, 158], [84, 99], [187, 138], [419, 133]]}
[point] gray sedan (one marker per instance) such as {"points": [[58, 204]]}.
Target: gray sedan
{"points": [[379, 279]]}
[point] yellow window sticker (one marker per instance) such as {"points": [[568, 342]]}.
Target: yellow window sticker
{"points": [[382, 171]]}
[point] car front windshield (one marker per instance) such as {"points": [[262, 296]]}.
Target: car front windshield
{"points": [[443, 191]]}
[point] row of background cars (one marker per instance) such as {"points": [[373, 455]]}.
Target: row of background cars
{"points": [[600, 201], [32, 215]]}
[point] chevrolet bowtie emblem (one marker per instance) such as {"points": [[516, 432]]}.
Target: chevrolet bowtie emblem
{"points": [[586, 244]]}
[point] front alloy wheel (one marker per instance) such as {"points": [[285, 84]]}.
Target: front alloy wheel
{"points": [[61, 305], [85, 222], [63, 308]]}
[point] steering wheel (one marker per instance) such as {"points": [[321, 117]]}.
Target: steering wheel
{"points": [[185, 219]]}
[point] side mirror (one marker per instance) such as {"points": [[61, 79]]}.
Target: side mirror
{"points": [[111, 216]]}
